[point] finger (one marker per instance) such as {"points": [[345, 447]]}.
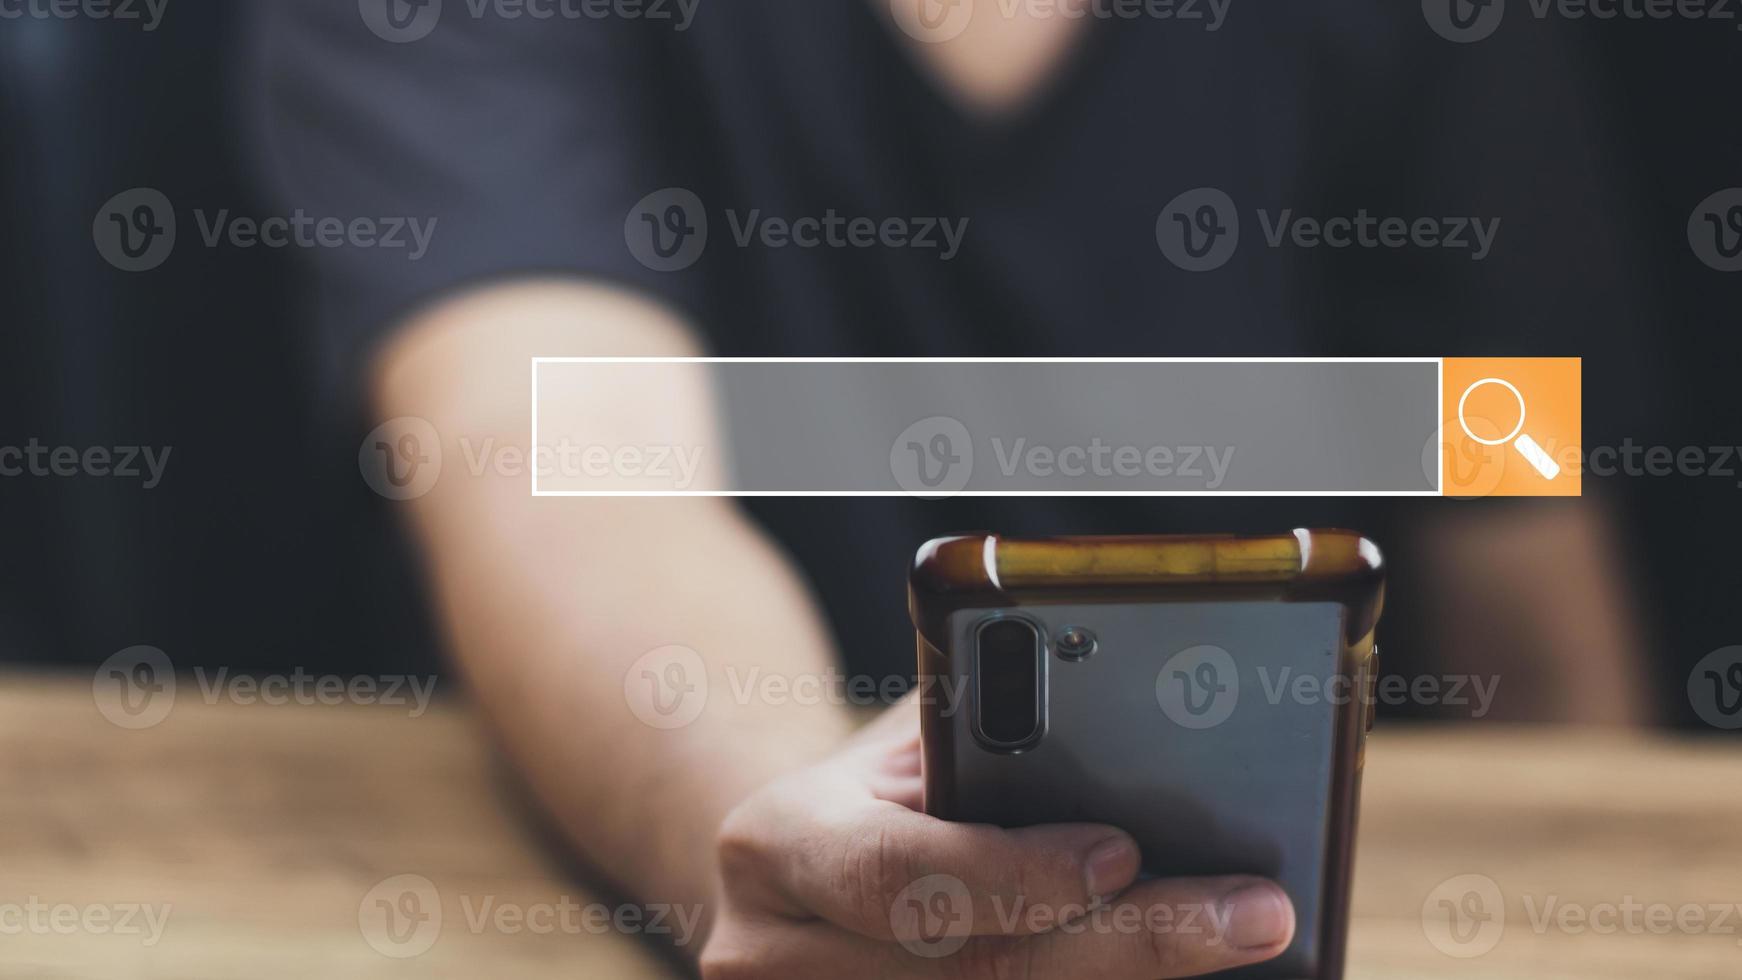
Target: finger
{"points": [[880, 869], [886, 753], [898, 776], [897, 723], [1178, 927]]}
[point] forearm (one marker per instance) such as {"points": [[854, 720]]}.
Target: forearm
{"points": [[550, 602], [1534, 596]]}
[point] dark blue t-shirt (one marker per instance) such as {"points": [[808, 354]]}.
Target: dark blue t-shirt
{"points": [[544, 146]]}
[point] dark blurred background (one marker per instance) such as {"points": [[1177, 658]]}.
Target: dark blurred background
{"points": [[264, 549]]}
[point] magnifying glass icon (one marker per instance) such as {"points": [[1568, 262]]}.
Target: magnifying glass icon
{"points": [[1526, 446]]}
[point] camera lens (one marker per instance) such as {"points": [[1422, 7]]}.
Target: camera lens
{"points": [[1007, 665], [1075, 643]]}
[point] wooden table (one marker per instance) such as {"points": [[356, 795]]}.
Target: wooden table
{"points": [[265, 828]]}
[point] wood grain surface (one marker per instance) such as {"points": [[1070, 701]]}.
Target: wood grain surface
{"points": [[259, 835]]}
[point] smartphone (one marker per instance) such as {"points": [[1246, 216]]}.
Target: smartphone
{"points": [[1210, 695]]}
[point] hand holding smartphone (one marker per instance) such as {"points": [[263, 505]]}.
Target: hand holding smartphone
{"points": [[1208, 695]]}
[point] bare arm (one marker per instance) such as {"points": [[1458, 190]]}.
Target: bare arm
{"points": [[548, 602], [1534, 596]]}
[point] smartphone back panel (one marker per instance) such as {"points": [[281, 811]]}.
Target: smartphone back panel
{"points": [[1205, 729], [1206, 695]]}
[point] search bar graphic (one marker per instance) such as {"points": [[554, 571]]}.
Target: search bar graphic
{"points": [[945, 427]]}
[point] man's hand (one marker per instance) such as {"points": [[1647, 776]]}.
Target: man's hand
{"points": [[832, 871]]}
